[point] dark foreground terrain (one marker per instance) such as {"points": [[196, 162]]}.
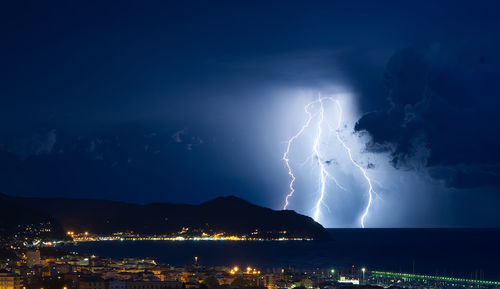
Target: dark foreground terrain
{"points": [[231, 215]]}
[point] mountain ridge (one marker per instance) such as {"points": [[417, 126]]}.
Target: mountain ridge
{"points": [[230, 215]]}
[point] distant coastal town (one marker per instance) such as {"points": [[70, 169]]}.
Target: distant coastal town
{"points": [[48, 267], [29, 261], [181, 236]]}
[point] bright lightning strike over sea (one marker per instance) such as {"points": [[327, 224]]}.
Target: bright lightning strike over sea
{"points": [[287, 152], [323, 171], [363, 171]]}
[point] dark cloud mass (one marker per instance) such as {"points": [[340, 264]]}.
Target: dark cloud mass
{"points": [[442, 112]]}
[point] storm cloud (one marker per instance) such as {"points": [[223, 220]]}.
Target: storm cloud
{"points": [[441, 113]]}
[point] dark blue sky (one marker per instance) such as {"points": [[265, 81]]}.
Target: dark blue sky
{"points": [[184, 101]]}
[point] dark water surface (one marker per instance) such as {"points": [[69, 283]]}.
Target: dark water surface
{"points": [[450, 252]]}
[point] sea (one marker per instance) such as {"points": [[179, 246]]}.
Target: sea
{"points": [[466, 253]]}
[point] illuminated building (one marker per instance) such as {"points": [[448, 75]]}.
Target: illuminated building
{"points": [[9, 280], [33, 258], [348, 280], [153, 284], [92, 283], [98, 283]]}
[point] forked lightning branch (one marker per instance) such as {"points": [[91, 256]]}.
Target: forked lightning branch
{"points": [[316, 121]]}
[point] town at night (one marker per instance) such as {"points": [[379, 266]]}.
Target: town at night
{"points": [[233, 144]]}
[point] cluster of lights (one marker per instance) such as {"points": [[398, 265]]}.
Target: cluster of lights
{"points": [[87, 238], [434, 278], [249, 271], [252, 271], [73, 234], [234, 270]]}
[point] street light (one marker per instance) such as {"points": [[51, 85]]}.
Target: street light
{"points": [[363, 270]]}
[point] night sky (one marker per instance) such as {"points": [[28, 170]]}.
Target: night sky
{"points": [[184, 101]]}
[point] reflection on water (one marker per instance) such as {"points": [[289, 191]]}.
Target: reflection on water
{"points": [[453, 252]]}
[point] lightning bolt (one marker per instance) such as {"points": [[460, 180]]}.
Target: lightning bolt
{"points": [[324, 175], [287, 152], [363, 171]]}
